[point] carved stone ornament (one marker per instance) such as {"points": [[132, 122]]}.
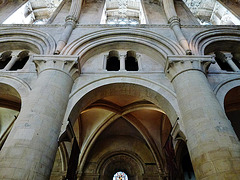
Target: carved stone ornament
{"points": [[66, 64], [176, 65]]}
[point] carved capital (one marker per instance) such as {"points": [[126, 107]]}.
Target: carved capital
{"points": [[66, 64], [176, 65]]}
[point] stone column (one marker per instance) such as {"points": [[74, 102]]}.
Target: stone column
{"points": [[29, 152], [11, 63], [212, 143], [122, 62], [228, 59], [15, 58]]}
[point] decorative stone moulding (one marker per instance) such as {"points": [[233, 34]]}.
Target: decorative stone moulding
{"points": [[176, 65], [66, 64], [43, 42], [174, 21], [201, 40], [71, 20]]}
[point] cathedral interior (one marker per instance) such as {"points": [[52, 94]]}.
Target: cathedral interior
{"points": [[120, 89]]}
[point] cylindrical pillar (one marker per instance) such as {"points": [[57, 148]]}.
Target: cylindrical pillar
{"points": [[29, 151], [228, 59], [11, 63], [212, 143], [122, 63]]}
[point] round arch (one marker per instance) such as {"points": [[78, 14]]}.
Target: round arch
{"points": [[156, 42], [35, 40], [201, 40], [160, 95], [10, 106], [224, 87], [109, 164], [19, 85]]}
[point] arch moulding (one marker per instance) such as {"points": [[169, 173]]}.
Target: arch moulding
{"points": [[201, 40], [19, 85], [159, 95], [161, 44], [224, 87], [40, 41]]}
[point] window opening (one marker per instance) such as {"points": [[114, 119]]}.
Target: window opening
{"points": [[113, 62], [22, 60], [120, 176], [131, 63], [123, 12], [5, 57]]}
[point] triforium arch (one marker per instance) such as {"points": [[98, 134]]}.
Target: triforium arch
{"points": [[201, 40], [156, 99], [88, 45], [17, 47], [34, 40]]}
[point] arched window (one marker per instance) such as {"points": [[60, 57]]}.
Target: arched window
{"points": [[120, 176], [21, 60], [131, 63], [5, 57], [113, 62]]}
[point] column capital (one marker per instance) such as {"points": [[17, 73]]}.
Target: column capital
{"points": [[228, 56], [122, 55], [71, 20], [178, 64], [174, 21], [66, 64]]}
